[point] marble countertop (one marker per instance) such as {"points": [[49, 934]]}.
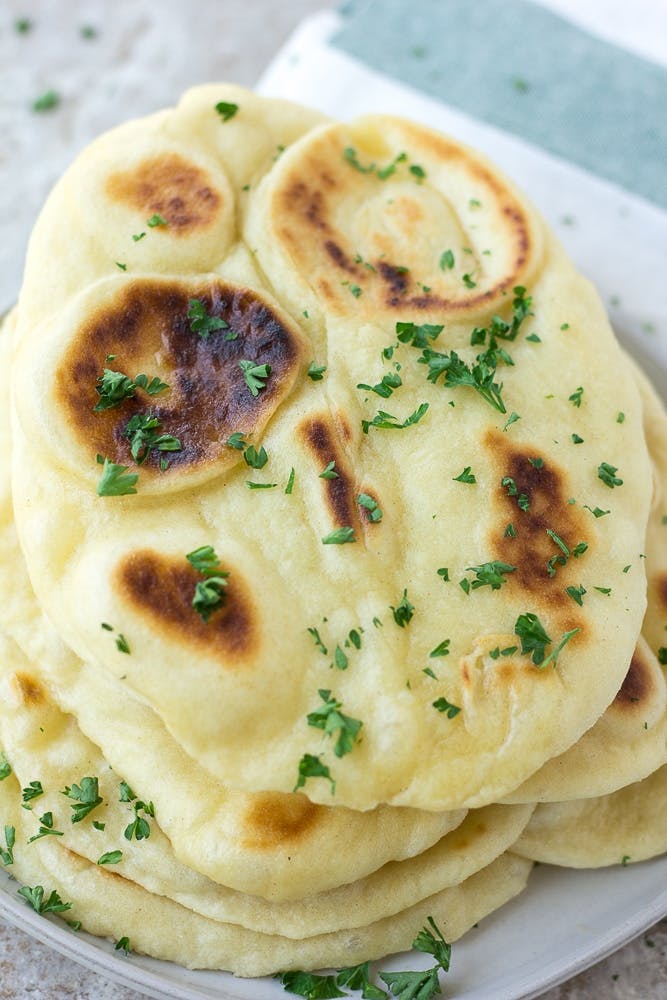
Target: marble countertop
{"points": [[107, 62]]}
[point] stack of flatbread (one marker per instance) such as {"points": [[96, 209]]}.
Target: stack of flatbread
{"points": [[331, 514]]}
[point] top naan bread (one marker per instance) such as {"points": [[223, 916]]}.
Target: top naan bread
{"points": [[532, 490]]}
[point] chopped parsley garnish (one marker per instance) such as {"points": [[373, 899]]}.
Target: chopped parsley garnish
{"points": [[140, 828], [226, 110], [620, 417], [46, 828], [142, 431], [329, 472], [110, 858], [418, 335], [371, 505], [311, 986], [5, 767], [317, 640], [236, 440], [577, 594], [255, 459], [596, 511], [433, 943], [447, 260], [341, 536], [490, 574], [126, 793], [382, 173], [417, 171], [607, 473], [114, 482], [467, 476], [358, 978], [332, 720], [123, 944], [576, 439], [210, 593], [115, 387], [413, 985], [290, 481], [311, 766], [442, 705], [579, 549], [468, 281], [457, 372], [32, 791], [534, 639], [512, 419], [443, 572], [156, 220], [510, 531], [47, 101], [201, 322], [35, 897], [260, 486], [384, 388], [341, 661], [442, 649], [316, 372], [404, 611], [255, 375], [662, 655], [7, 852], [603, 590], [86, 798], [388, 422], [354, 289], [575, 398]]}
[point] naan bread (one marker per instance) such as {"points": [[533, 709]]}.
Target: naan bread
{"points": [[280, 268], [39, 739], [112, 906], [626, 826]]}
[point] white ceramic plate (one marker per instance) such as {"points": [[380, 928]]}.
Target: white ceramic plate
{"points": [[564, 922]]}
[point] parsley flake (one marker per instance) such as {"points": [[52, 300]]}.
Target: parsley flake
{"points": [[341, 536], [447, 260], [7, 852], [371, 505], [310, 985], [534, 639], [5, 767], [255, 375], [329, 472], [114, 482], [156, 220], [329, 718], [388, 422], [140, 828], [311, 766], [255, 459], [142, 431], [203, 323], [442, 705], [110, 858], [53, 904], [210, 593], [404, 611], [418, 335], [575, 398], [467, 476], [86, 798], [413, 985], [226, 110], [490, 574], [607, 473], [316, 372]]}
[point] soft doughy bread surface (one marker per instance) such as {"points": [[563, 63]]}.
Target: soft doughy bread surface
{"points": [[236, 693]]}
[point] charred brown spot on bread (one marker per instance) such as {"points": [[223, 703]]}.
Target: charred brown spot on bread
{"points": [[29, 690], [339, 257], [639, 683], [660, 586], [396, 278], [320, 436], [170, 186], [148, 330], [278, 819], [160, 589], [544, 485]]}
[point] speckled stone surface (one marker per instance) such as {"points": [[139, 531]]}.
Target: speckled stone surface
{"points": [[107, 62]]}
